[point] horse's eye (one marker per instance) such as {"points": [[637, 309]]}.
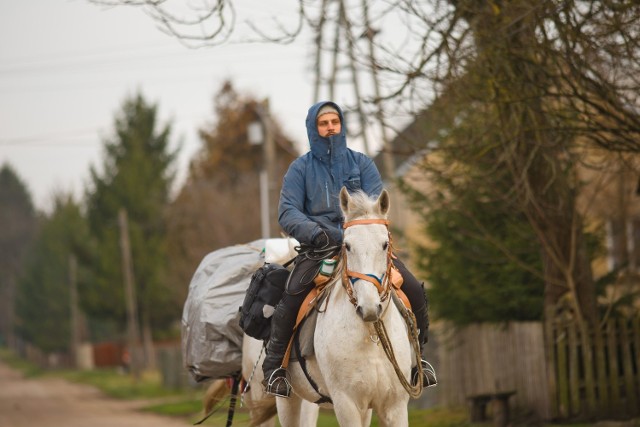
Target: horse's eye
{"points": [[385, 246], [347, 247]]}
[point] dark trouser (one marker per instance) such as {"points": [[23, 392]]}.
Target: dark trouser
{"points": [[414, 290], [298, 287]]}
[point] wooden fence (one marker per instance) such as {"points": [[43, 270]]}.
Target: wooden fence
{"points": [[489, 358], [594, 372], [557, 371]]}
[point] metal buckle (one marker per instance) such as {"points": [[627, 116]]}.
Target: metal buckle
{"points": [[279, 386]]}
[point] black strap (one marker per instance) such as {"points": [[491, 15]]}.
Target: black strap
{"points": [[235, 385], [236, 379], [286, 264], [303, 365]]}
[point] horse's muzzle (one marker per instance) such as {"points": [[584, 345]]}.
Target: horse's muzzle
{"points": [[371, 314]]}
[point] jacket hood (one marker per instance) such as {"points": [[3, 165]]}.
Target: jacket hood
{"points": [[320, 146]]}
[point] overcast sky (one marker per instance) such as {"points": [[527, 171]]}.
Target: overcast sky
{"points": [[67, 66]]}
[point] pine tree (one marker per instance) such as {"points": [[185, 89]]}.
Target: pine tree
{"points": [[43, 302], [136, 175], [482, 264], [18, 219]]}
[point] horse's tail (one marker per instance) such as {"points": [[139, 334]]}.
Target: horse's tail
{"points": [[217, 392], [262, 410]]}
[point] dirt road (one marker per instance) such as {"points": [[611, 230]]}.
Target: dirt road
{"points": [[52, 402]]}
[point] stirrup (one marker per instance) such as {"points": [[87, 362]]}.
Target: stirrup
{"points": [[278, 384], [429, 378]]}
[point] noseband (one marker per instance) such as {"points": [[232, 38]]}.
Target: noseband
{"points": [[383, 284]]}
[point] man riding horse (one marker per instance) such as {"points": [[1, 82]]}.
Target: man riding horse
{"points": [[309, 210]]}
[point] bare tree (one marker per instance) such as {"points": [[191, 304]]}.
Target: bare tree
{"points": [[552, 80]]}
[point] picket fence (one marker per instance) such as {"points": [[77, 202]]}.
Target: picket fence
{"points": [[558, 371], [488, 358], [594, 372]]}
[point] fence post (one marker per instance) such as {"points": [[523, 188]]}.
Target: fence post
{"points": [[549, 355], [574, 370], [563, 382], [614, 370], [587, 357], [604, 405], [627, 363], [635, 326]]}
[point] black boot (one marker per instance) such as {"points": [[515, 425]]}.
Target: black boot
{"points": [[275, 376], [428, 372], [284, 319]]}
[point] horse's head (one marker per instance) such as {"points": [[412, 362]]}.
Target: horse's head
{"points": [[367, 251]]}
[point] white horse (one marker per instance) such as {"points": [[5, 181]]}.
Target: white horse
{"points": [[363, 358]]}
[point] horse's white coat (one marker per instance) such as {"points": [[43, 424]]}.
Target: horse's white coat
{"points": [[349, 365]]}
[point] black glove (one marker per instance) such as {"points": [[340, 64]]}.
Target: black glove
{"points": [[321, 241], [324, 241]]}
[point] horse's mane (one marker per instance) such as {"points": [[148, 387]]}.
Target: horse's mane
{"points": [[362, 206]]}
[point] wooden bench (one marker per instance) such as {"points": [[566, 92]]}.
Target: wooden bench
{"points": [[499, 406]]}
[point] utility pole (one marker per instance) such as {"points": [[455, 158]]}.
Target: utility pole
{"points": [[130, 294], [262, 133], [73, 301]]}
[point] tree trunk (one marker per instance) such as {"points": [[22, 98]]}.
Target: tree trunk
{"points": [[542, 169]]}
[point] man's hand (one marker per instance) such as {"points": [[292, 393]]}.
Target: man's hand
{"points": [[321, 241]]}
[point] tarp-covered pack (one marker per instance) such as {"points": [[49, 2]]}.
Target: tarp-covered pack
{"points": [[211, 334]]}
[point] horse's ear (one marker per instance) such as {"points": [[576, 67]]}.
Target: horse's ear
{"points": [[344, 200], [384, 202]]}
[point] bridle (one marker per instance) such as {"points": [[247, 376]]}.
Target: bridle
{"points": [[349, 277], [384, 289]]}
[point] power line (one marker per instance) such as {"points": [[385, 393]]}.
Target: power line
{"points": [[94, 59], [62, 137], [47, 138]]}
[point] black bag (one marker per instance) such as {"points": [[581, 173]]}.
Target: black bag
{"points": [[265, 291]]}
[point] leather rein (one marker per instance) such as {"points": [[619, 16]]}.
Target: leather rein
{"points": [[349, 277]]}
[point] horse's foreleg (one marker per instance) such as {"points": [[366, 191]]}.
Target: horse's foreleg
{"points": [[290, 411], [367, 420], [397, 416], [309, 414], [348, 413]]}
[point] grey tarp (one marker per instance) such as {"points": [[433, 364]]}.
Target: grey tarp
{"points": [[211, 335]]}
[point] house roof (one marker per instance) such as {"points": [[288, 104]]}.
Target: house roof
{"points": [[416, 140]]}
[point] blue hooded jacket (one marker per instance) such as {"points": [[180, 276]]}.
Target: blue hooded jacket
{"points": [[309, 200]]}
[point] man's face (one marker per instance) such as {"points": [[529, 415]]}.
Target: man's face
{"points": [[329, 124]]}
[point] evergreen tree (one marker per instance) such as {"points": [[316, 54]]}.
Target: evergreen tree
{"points": [[482, 264], [43, 301], [136, 175], [19, 223]]}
